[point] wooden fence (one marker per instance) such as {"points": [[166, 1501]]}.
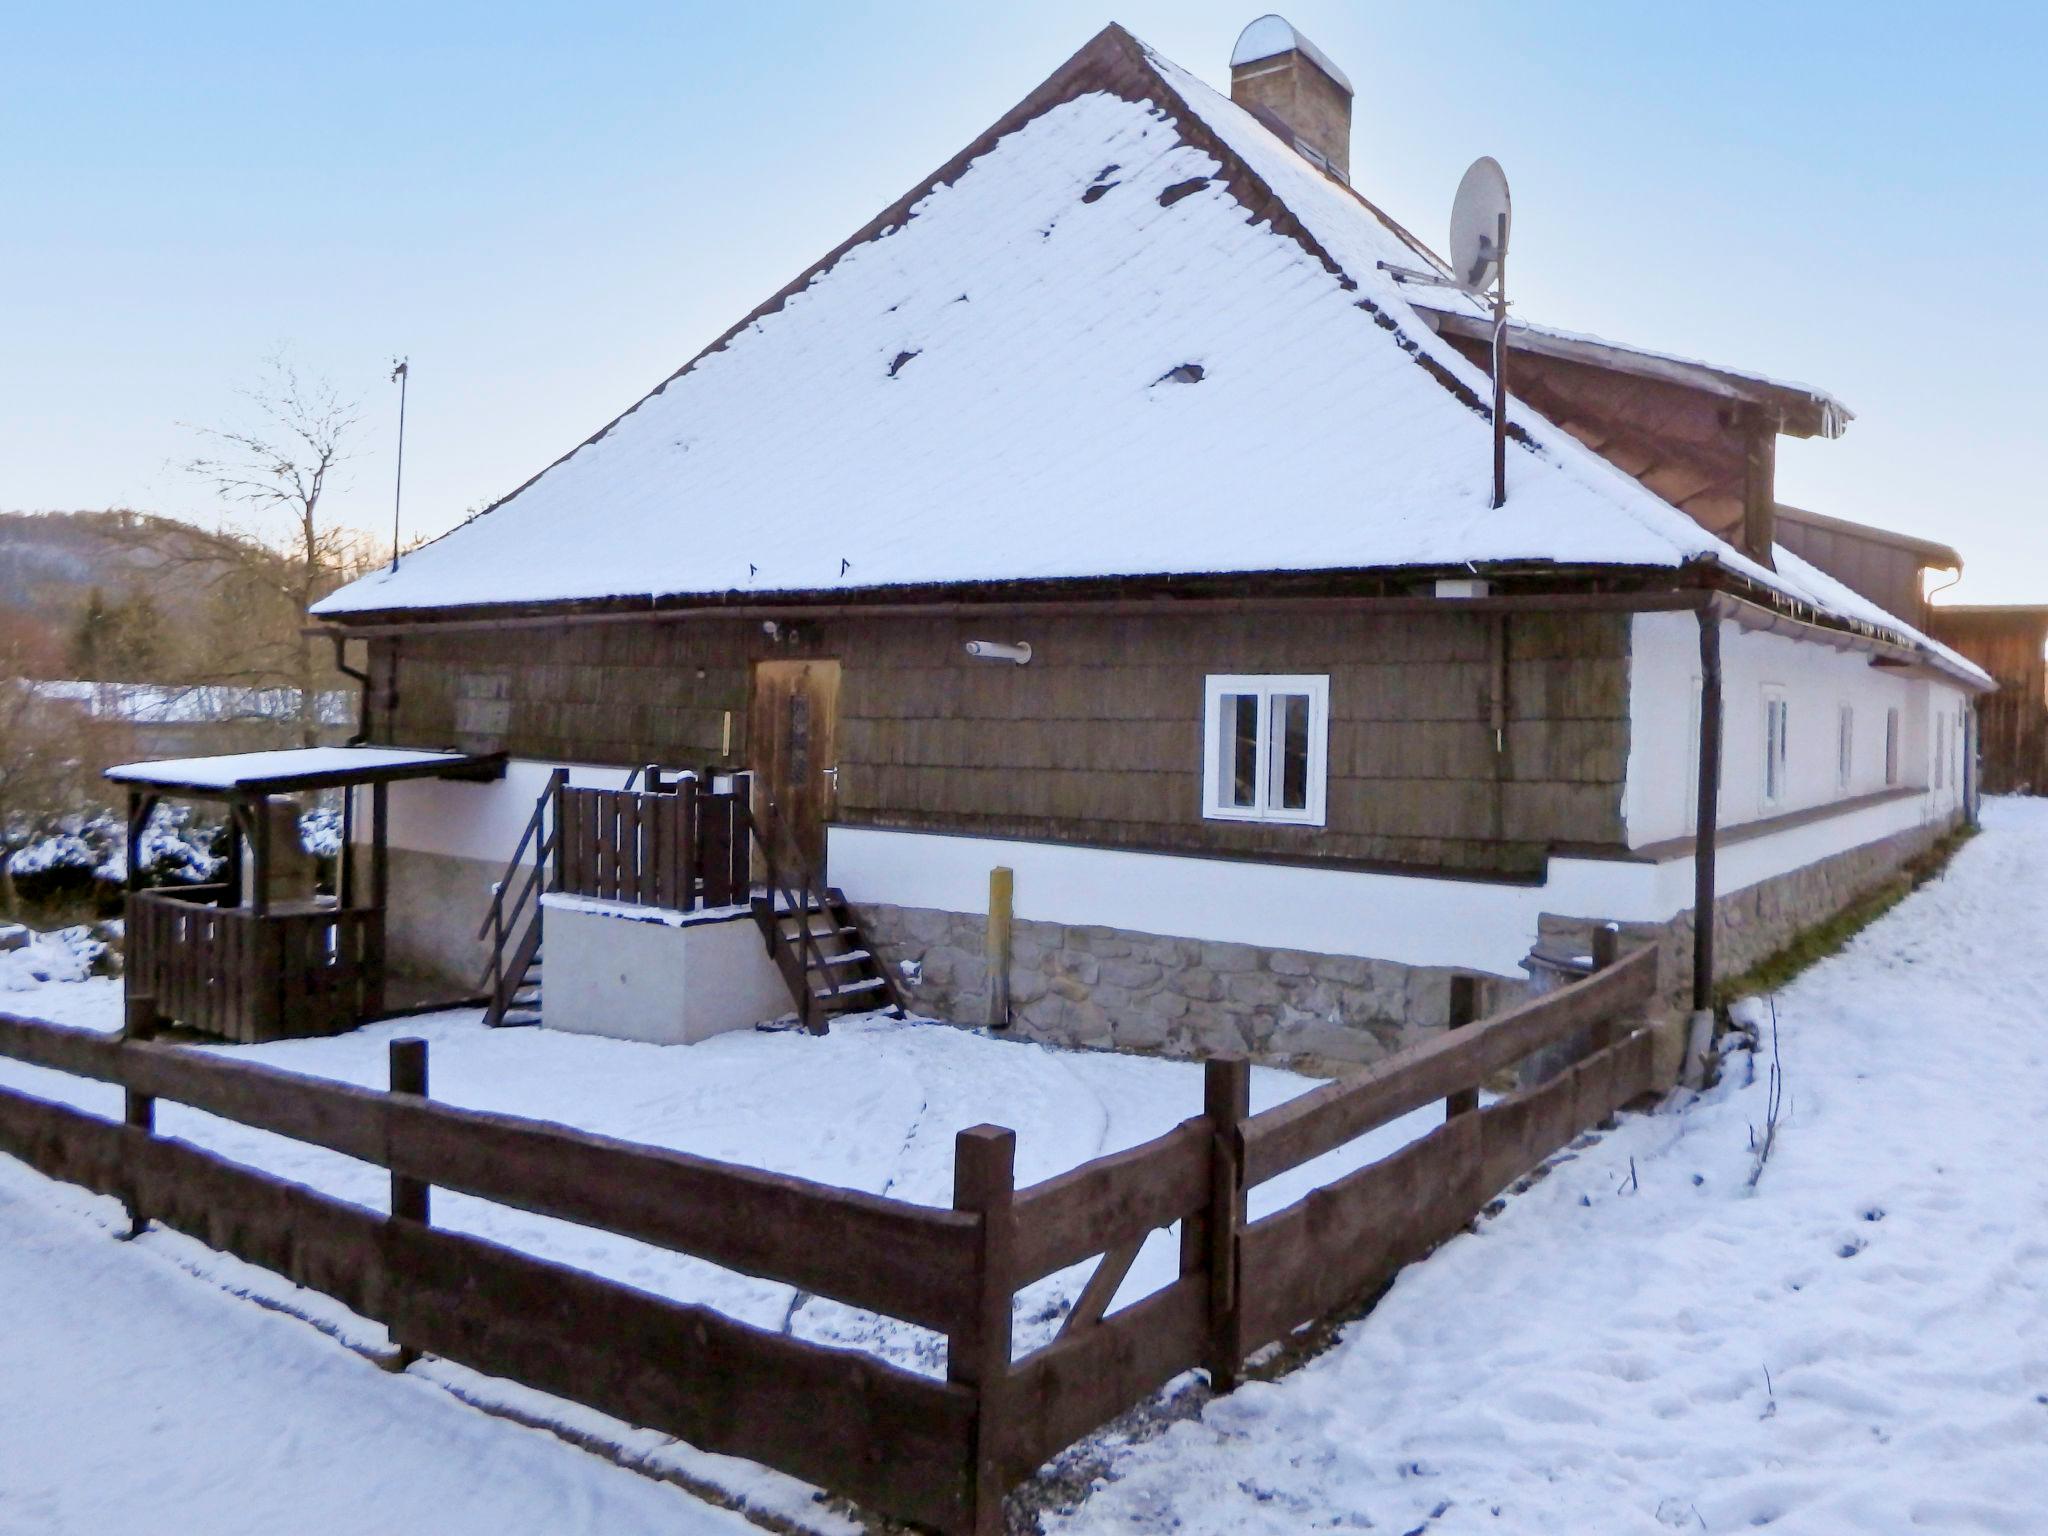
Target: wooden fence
{"points": [[937, 1453], [684, 848], [251, 976]]}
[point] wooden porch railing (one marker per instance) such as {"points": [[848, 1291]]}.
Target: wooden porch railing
{"points": [[248, 976], [674, 844]]}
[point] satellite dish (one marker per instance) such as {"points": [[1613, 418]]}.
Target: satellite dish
{"points": [[1480, 218]]}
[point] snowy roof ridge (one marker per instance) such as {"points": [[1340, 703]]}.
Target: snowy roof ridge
{"points": [[998, 356]]}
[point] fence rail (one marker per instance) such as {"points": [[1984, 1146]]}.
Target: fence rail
{"points": [[938, 1453]]}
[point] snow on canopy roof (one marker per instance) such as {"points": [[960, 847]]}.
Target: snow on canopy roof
{"points": [[1129, 333], [1272, 35], [295, 768]]}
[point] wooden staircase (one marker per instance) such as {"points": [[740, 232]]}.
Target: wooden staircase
{"points": [[511, 980], [818, 947], [816, 943]]}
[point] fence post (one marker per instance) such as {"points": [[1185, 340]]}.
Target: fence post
{"points": [[978, 1355], [1606, 950], [139, 1023], [1464, 1010], [409, 1201], [687, 805], [1227, 1103]]}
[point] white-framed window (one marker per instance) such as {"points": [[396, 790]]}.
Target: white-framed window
{"points": [[1845, 747], [1265, 749], [1777, 725], [1891, 746]]}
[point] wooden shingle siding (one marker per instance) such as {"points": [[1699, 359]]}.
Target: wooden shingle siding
{"points": [[1099, 739]]}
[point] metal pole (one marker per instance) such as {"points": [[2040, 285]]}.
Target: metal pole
{"points": [[1709, 809], [402, 372], [1500, 365]]}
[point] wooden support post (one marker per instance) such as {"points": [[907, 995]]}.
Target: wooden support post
{"points": [[409, 1197], [1001, 888], [380, 898], [140, 1108], [1227, 1102], [984, 1184], [345, 861], [259, 884], [1464, 1010]]}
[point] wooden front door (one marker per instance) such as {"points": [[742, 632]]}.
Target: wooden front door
{"points": [[791, 746]]}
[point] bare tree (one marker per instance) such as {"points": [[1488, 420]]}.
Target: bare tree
{"points": [[278, 468]]}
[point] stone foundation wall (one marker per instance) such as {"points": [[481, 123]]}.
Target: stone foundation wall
{"points": [[1753, 924], [1088, 986], [1104, 987]]}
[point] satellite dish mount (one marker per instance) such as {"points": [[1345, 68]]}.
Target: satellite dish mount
{"points": [[1480, 218]]}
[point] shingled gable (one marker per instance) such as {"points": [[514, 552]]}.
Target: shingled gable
{"points": [[1126, 333]]}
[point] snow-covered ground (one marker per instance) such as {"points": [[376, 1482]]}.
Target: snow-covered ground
{"points": [[138, 1398], [1645, 1343], [1641, 1342]]}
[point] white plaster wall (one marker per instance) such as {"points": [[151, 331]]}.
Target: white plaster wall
{"points": [[474, 821], [1410, 919], [1660, 793]]}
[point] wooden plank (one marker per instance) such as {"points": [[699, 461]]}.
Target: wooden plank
{"points": [[325, 1244], [632, 865], [835, 1417], [1522, 1129], [903, 1260], [1290, 1134], [1346, 1238], [1102, 1286], [64, 1143], [1090, 1209], [62, 1047], [1083, 1381], [715, 850]]}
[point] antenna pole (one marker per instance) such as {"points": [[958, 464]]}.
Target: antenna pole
{"points": [[1500, 364], [401, 372]]}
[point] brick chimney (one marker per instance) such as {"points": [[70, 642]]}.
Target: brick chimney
{"points": [[1285, 81]]}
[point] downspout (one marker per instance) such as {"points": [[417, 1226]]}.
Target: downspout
{"points": [[362, 692], [1701, 1034]]}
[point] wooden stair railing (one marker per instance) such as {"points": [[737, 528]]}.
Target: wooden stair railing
{"points": [[508, 983], [812, 936]]}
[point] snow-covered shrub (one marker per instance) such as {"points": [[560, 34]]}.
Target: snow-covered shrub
{"points": [[84, 857], [320, 832], [67, 954]]}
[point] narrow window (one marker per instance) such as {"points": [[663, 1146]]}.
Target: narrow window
{"points": [[1266, 749], [1845, 748], [1777, 720], [1891, 747]]}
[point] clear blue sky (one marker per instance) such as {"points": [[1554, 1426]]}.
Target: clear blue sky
{"points": [[550, 208]]}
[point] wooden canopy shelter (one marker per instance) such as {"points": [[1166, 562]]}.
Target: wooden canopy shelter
{"points": [[260, 955]]}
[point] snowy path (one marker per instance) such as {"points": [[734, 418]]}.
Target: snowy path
{"points": [[138, 1398], [1595, 1359]]}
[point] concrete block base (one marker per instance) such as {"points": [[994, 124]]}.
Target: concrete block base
{"points": [[635, 973]]}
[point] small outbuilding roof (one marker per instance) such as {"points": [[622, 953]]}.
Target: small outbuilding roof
{"points": [[295, 768]]}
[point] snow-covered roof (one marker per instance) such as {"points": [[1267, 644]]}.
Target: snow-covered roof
{"points": [[1128, 333], [297, 768], [1270, 36]]}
